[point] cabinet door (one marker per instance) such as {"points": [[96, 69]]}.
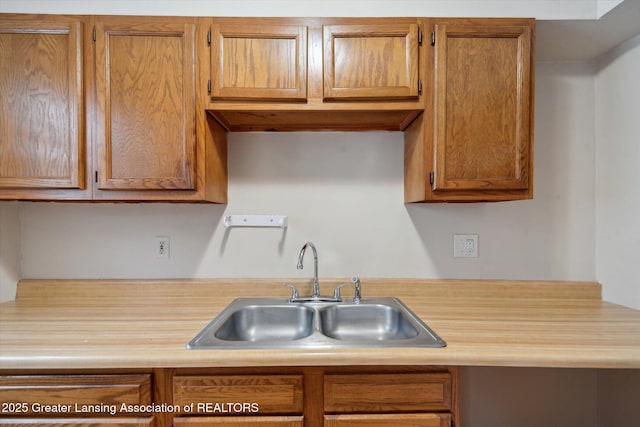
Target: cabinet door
{"points": [[41, 107], [482, 107], [145, 78], [255, 62], [375, 61]]}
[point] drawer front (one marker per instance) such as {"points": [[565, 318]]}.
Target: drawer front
{"points": [[77, 422], [239, 394], [72, 395], [388, 420], [376, 393], [286, 421]]}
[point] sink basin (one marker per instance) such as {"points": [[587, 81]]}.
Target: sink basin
{"points": [[251, 323], [267, 323], [366, 322]]}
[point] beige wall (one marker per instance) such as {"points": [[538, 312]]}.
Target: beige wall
{"points": [[10, 248], [617, 94], [343, 191]]}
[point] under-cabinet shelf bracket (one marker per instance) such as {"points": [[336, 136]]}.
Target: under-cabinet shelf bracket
{"points": [[268, 221]]}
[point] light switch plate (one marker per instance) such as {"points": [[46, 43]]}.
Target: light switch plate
{"points": [[465, 245]]}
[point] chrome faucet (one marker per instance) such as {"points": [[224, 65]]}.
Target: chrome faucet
{"points": [[316, 286], [315, 295]]}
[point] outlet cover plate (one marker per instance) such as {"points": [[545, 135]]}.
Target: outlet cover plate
{"points": [[465, 245]]}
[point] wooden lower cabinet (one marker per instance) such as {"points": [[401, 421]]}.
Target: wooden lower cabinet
{"points": [[314, 396], [379, 396]]}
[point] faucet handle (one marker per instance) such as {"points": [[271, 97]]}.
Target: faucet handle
{"points": [[336, 291], [294, 291], [358, 291]]}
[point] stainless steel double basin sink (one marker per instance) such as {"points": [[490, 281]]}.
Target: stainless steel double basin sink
{"points": [[253, 323]]}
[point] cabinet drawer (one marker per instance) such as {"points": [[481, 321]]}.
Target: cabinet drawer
{"points": [[387, 392], [71, 392], [78, 422], [284, 421], [388, 420], [236, 394]]}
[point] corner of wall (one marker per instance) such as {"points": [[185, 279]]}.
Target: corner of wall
{"points": [[10, 249]]}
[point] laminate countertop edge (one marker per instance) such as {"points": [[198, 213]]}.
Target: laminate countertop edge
{"points": [[145, 324]]}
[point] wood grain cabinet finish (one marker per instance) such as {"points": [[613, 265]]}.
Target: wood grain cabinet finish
{"points": [[42, 141], [107, 108], [476, 141], [388, 420], [239, 400], [272, 421], [270, 394], [378, 393], [297, 74], [293, 396], [258, 62], [418, 399], [145, 81], [74, 400], [371, 61]]}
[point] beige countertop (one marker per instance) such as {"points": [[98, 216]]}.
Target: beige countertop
{"points": [[87, 324]]}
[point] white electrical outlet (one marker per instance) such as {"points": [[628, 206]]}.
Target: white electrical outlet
{"points": [[465, 245], [162, 247]]}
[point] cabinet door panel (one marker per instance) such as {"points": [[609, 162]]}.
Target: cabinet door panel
{"points": [[482, 101], [259, 62], [371, 61], [388, 420], [146, 106], [41, 107]]}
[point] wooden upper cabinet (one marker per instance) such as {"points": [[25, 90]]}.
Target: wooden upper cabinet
{"points": [[474, 141], [256, 62], [376, 61], [482, 107], [42, 141], [145, 95]]}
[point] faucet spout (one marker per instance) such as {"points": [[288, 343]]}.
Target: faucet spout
{"points": [[316, 285]]}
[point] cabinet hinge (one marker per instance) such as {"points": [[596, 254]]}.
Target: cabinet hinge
{"points": [[431, 177], [93, 34], [209, 86], [433, 38], [209, 37], [419, 86], [96, 178], [419, 36]]}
